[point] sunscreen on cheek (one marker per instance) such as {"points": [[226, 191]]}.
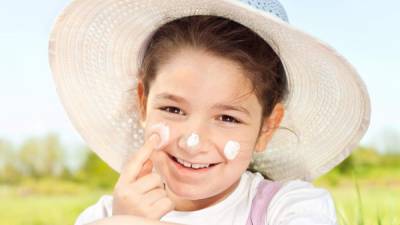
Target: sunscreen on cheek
{"points": [[231, 149], [163, 130]]}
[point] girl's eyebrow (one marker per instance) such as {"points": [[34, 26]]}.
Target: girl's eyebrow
{"points": [[231, 107], [171, 97], [217, 106]]}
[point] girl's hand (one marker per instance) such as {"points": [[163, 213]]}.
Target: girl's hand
{"points": [[129, 220], [138, 191]]}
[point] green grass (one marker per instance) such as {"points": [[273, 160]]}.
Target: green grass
{"points": [[377, 204], [365, 198], [41, 209], [50, 202], [47, 203]]}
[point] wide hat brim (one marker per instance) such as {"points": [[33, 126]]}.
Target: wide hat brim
{"points": [[94, 48]]}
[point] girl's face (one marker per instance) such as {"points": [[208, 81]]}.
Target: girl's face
{"points": [[197, 92]]}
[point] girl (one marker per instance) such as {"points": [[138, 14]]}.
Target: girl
{"points": [[239, 110]]}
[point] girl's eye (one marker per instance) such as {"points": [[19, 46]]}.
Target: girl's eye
{"points": [[175, 110], [229, 119], [172, 109]]}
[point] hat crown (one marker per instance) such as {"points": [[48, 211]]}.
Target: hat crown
{"points": [[272, 7]]}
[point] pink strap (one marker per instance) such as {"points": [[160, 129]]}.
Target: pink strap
{"points": [[265, 191]]}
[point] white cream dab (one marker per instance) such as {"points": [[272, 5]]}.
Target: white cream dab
{"points": [[163, 130], [231, 149], [192, 140]]}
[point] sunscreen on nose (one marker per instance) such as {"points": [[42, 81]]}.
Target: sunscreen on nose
{"points": [[231, 149], [193, 140], [163, 130]]}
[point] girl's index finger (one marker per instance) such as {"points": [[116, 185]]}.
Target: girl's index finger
{"points": [[135, 162]]}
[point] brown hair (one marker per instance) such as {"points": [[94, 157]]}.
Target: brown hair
{"points": [[222, 37]]}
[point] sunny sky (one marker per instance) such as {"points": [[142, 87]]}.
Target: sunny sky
{"points": [[365, 32]]}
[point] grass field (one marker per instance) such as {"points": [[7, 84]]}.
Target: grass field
{"points": [[377, 205], [20, 207], [51, 203]]}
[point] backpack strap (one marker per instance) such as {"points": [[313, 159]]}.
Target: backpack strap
{"points": [[265, 192]]}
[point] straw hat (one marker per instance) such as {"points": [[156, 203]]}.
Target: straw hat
{"points": [[93, 50]]}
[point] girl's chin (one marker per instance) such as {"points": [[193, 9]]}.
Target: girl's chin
{"points": [[188, 191]]}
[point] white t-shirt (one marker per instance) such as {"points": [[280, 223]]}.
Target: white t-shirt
{"points": [[296, 203]]}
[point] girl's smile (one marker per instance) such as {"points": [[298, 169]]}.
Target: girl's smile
{"points": [[185, 168]]}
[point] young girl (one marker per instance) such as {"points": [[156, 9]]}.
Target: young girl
{"points": [[238, 110]]}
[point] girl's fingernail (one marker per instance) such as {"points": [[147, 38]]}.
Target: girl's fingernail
{"points": [[163, 131]]}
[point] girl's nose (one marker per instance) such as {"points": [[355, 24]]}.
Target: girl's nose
{"points": [[190, 142]]}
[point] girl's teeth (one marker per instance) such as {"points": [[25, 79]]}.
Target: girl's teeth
{"points": [[197, 166], [194, 166], [186, 164]]}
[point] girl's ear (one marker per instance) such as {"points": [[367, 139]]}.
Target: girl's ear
{"points": [[269, 126], [141, 103]]}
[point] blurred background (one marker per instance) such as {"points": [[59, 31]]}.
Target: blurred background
{"points": [[48, 175]]}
